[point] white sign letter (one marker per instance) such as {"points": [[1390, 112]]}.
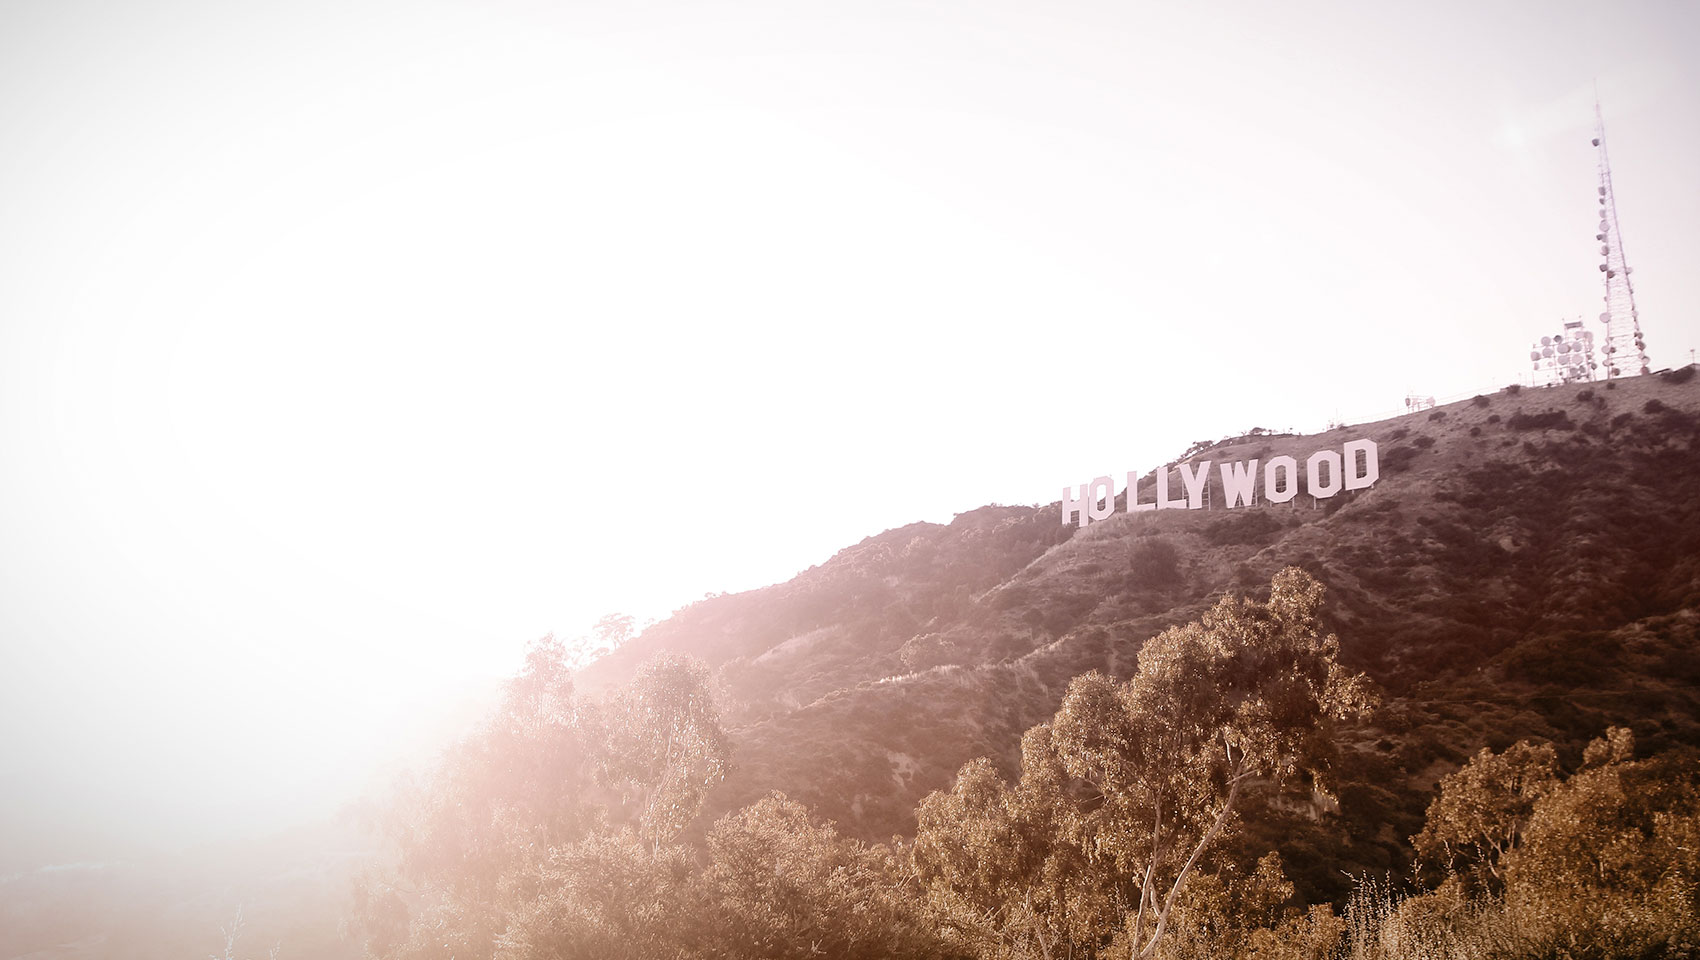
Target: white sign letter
{"points": [[1313, 482], [1133, 504], [1237, 483], [1193, 479], [1372, 465], [1288, 488], [1072, 504], [1163, 501], [1101, 499]]}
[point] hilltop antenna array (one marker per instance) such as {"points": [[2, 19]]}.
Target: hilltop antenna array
{"points": [[1565, 357], [1625, 349]]}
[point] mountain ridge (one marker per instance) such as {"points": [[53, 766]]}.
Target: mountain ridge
{"points": [[1510, 538]]}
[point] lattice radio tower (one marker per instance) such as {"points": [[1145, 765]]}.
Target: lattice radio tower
{"points": [[1625, 349]]}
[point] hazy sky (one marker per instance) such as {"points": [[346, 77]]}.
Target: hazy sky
{"points": [[346, 347]]}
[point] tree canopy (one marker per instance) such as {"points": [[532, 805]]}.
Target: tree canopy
{"points": [[572, 827], [1131, 783]]}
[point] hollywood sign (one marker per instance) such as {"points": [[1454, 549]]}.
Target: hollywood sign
{"points": [[1326, 472]]}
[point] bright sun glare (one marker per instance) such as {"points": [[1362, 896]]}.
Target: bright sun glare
{"points": [[344, 349]]}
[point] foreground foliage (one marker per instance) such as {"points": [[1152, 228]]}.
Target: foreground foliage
{"points": [[1604, 864], [1127, 789], [557, 832], [571, 827]]}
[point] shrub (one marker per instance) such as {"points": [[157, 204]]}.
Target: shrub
{"points": [[1493, 418], [1479, 400], [1585, 396], [1156, 562], [1595, 870], [1514, 389], [1424, 442], [1653, 406], [1679, 375], [1437, 415], [1400, 433], [1250, 526], [1398, 459], [1550, 420], [1475, 431], [1618, 421]]}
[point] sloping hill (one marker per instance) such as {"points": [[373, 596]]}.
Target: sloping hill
{"points": [[1528, 565]]}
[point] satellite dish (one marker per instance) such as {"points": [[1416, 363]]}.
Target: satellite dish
{"points": [[1533, 355], [1605, 318], [1546, 351], [1563, 347], [1611, 273], [1602, 266], [1546, 341], [1602, 191], [1596, 141], [1604, 228], [1604, 249], [1628, 270]]}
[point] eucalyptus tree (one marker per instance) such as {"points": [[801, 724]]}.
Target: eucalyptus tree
{"points": [[1001, 863], [778, 885], [1483, 807], [1131, 783], [552, 826], [664, 747]]}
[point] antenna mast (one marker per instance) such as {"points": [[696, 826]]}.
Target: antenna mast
{"points": [[1625, 349]]}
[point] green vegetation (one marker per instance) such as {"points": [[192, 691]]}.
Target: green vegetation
{"points": [[559, 830], [975, 695], [1128, 787], [571, 827], [1549, 420], [1600, 864]]}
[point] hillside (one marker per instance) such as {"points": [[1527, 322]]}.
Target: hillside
{"points": [[1527, 565]]}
